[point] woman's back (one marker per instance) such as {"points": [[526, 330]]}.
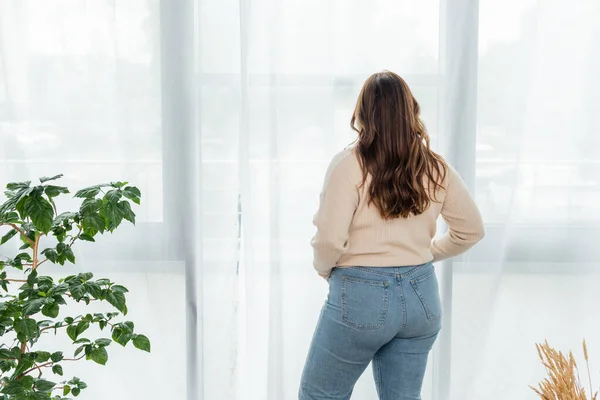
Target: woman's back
{"points": [[352, 232]]}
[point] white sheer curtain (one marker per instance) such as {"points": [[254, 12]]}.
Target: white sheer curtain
{"points": [[226, 113]]}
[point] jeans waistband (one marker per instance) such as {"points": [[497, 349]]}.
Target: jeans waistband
{"points": [[400, 272]]}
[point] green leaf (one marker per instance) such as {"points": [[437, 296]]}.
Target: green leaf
{"points": [[27, 381], [75, 391], [45, 179], [63, 218], [16, 351], [40, 211], [132, 193], [57, 356], [12, 186], [113, 214], [93, 223], [24, 364], [27, 327], [72, 332], [16, 200], [79, 350], [68, 253], [103, 342], [121, 337], [51, 310], [42, 356], [99, 355], [66, 390], [82, 340], [82, 326], [118, 185], [87, 238], [50, 254], [54, 191], [32, 306], [119, 288], [117, 300], [12, 233], [44, 385], [113, 196], [88, 193], [85, 276], [32, 277], [142, 342], [94, 289], [10, 218], [13, 387], [57, 369], [5, 354], [90, 206], [128, 213]]}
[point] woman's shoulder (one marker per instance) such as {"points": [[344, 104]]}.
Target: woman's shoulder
{"points": [[345, 164]]}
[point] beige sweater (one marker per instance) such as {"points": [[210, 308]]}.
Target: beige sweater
{"points": [[352, 233]]}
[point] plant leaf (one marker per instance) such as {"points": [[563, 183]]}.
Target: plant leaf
{"points": [[32, 306], [45, 179], [119, 288], [57, 369], [142, 342], [27, 327], [117, 300], [44, 385], [113, 214], [24, 364], [51, 310], [57, 356], [42, 356], [113, 196], [72, 332], [88, 193], [40, 211], [99, 355], [128, 213], [103, 342], [54, 191], [132, 193], [12, 233], [10, 218]]}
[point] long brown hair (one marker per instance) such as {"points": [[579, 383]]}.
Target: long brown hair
{"points": [[393, 147]]}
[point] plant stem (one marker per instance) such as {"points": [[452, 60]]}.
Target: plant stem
{"points": [[16, 280], [21, 231], [49, 364], [36, 245]]}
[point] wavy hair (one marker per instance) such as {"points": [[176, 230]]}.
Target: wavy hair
{"points": [[393, 148]]}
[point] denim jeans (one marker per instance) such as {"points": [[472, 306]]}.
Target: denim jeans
{"points": [[387, 316]]}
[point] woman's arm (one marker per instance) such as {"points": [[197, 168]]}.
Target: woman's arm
{"points": [[465, 225], [339, 199]]}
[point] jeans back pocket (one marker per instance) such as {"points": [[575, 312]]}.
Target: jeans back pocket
{"points": [[426, 288], [364, 303]]}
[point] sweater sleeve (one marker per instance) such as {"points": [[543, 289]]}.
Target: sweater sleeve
{"points": [[465, 225], [338, 202]]}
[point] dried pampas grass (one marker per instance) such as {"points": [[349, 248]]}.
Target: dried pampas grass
{"points": [[563, 382]]}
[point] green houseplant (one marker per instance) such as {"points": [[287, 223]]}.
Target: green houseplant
{"points": [[33, 305]]}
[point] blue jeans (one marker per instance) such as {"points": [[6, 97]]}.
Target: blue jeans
{"points": [[387, 316]]}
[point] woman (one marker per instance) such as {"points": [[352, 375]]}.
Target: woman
{"points": [[374, 244]]}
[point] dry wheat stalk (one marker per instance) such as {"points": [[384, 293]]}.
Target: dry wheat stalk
{"points": [[562, 382]]}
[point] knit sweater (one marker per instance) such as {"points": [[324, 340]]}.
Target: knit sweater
{"points": [[351, 232]]}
